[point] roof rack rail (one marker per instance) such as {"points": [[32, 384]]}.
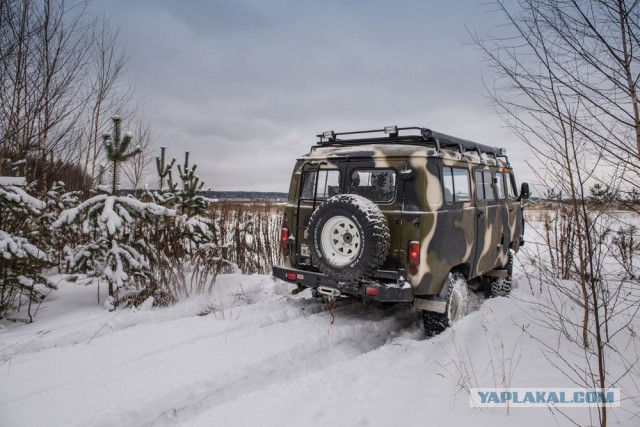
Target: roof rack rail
{"points": [[392, 131], [437, 139]]}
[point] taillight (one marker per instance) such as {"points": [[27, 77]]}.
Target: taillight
{"points": [[371, 290], [284, 236], [290, 275], [413, 256]]}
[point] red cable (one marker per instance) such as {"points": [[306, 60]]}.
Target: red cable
{"points": [[330, 306]]}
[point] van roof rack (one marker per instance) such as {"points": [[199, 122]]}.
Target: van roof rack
{"points": [[423, 137]]}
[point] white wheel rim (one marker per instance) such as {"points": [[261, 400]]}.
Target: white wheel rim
{"points": [[341, 240]]}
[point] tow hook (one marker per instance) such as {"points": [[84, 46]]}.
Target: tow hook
{"points": [[330, 293]]}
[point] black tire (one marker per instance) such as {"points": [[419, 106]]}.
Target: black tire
{"points": [[501, 287], [365, 241], [434, 323], [457, 296]]}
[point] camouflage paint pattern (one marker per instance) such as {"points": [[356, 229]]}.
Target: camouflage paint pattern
{"points": [[472, 237]]}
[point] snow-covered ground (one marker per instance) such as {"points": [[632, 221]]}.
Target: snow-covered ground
{"points": [[264, 357]]}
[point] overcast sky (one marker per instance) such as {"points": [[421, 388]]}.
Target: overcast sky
{"points": [[245, 85]]}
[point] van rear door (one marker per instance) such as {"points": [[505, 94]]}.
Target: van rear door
{"points": [[318, 181]]}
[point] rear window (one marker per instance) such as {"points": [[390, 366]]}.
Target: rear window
{"points": [[328, 184], [378, 185]]}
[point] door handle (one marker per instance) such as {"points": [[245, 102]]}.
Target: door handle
{"points": [[480, 214]]}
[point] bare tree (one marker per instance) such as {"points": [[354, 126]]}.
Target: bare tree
{"points": [[60, 80], [566, 75], [137, 168], [106, 96], [42, 81]]}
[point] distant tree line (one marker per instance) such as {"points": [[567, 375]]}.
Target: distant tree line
{"points": [[600, 195]]}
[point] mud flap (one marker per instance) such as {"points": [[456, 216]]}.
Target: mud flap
{"points": [[430, 305]]}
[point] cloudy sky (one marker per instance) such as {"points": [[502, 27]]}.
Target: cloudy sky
{"points": [[245, 85]]}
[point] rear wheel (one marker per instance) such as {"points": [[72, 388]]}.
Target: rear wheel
{"points": [[457, 295], [501, 286]]}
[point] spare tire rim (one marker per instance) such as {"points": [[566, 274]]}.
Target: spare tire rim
{"points": [[341, 240]]}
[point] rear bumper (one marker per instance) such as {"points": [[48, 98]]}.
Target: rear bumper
{"points": [[369, 290]]}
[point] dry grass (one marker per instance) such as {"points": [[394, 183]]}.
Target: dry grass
{"points": [[250, 231]]}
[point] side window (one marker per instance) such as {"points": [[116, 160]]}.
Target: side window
{"points": [[511, 187], [447, 182], [378, 185], [328, 184], [488, 187], [456, 184], [500, 185], [461, 184], [479, 187], [484, 187]]}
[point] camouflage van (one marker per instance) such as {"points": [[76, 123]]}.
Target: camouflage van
{"points": [[402, 215]]}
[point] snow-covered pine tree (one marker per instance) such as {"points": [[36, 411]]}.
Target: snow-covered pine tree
{"points": [[633, 198], [188, 249], [56, 200], [245, 245], [164, 169], [116, 229], [190, 198], [601, 194], [165, 195], [117, 150], [23, 261], [194, 225], [201, 228]]}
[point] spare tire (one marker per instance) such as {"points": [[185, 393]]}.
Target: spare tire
{"points": [[348, 237]]}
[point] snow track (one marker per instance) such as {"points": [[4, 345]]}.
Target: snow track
{"points": [[290, 353], [172, 371]]}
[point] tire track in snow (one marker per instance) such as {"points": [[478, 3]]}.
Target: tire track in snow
{"points": [[140, 360], [134, 323], [227, 361], [363, 331], [370, 330]]}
